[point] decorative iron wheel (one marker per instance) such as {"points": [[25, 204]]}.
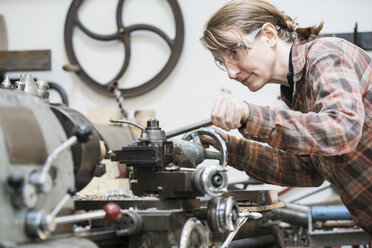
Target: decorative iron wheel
{"points": [[123, 34]]}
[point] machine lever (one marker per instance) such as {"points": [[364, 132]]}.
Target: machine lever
{"points": [[40, 225], [81, 134], [188, 128], [70, 192], [129, 123], [244, 216], [68, 143], [111, 212]]}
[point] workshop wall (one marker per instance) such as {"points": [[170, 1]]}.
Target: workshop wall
{"points": [[188, 94]]}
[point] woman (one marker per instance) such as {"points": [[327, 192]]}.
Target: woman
{"points": [[327, 84]]}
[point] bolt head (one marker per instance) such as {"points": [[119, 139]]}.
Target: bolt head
{"points": [[217, 180]]}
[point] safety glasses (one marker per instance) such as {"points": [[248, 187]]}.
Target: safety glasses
{"points": [[234, 54]]}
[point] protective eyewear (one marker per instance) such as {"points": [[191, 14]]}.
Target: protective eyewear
{"points": [[235, 53]]}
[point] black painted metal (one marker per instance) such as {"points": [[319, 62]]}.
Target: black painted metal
{"points": [[259, 241], [85, 155], [123, 34], [361, 39]]}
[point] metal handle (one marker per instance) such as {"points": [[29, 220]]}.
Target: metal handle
{"points": [[188, 128], [190, 226], [129, 123], [42, 180], [245, 215], [223, 155], [68, 143]]}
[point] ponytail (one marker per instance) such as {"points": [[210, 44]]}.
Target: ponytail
{"points": [[298, 33]]}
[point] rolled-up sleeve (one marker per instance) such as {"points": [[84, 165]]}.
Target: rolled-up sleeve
{"points": [[271, 165]]}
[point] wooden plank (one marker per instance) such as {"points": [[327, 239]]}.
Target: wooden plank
{"points": [[261, 197], [31, 60], [261, 208], [107, 182], [3, 34]]}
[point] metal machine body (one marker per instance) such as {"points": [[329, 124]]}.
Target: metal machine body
{"points": [[50, 151], [29, 133], [167, 167], [26, 139], [168, 189]]}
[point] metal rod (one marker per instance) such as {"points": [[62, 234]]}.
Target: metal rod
{"points": [[253, 242], [343, 223], [290, 216], [323, 213], [309, 194], [127, 122], [188, 128], [60, 205], [99, 214], [297, 207], [68, 143]]}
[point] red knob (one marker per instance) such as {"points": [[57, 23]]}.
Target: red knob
{"points": [[113, 212]]}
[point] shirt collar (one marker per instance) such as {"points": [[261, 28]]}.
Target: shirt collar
{"points": [[297, 62], [299, 53], [287, 91]]}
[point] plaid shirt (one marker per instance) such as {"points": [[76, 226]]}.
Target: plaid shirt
{"points": [[326, 134]]}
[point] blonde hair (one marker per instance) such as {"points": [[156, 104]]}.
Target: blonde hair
{"points": [[245, 16]]}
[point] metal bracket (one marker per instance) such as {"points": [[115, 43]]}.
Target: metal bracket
{"points": [[361, 39]]}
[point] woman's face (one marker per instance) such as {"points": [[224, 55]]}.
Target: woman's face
{"points": [[250, 62]]}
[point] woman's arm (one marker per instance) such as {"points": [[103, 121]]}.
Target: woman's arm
{"points": [[271, 165]]}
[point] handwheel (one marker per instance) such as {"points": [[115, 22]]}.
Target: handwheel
{"points": [[222, 214], [210, 179], [222, 155], [193, 234], [123, 34]]}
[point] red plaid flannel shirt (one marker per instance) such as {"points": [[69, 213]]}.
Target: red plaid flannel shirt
{"points": [[326, 134]]}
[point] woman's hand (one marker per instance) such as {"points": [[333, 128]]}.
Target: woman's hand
{"points": [[207, 140], [229, 113]]}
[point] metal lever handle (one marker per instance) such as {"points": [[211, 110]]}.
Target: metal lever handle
{"points": [[48, 222], [110, 211], [245, 215], [193, 225], [188, 128], [70, 192], [68, 143], [40, 225], [129, 123], [81, 134]]}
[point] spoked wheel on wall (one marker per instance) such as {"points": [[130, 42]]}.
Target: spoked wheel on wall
{"points": [[123, 34]]}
